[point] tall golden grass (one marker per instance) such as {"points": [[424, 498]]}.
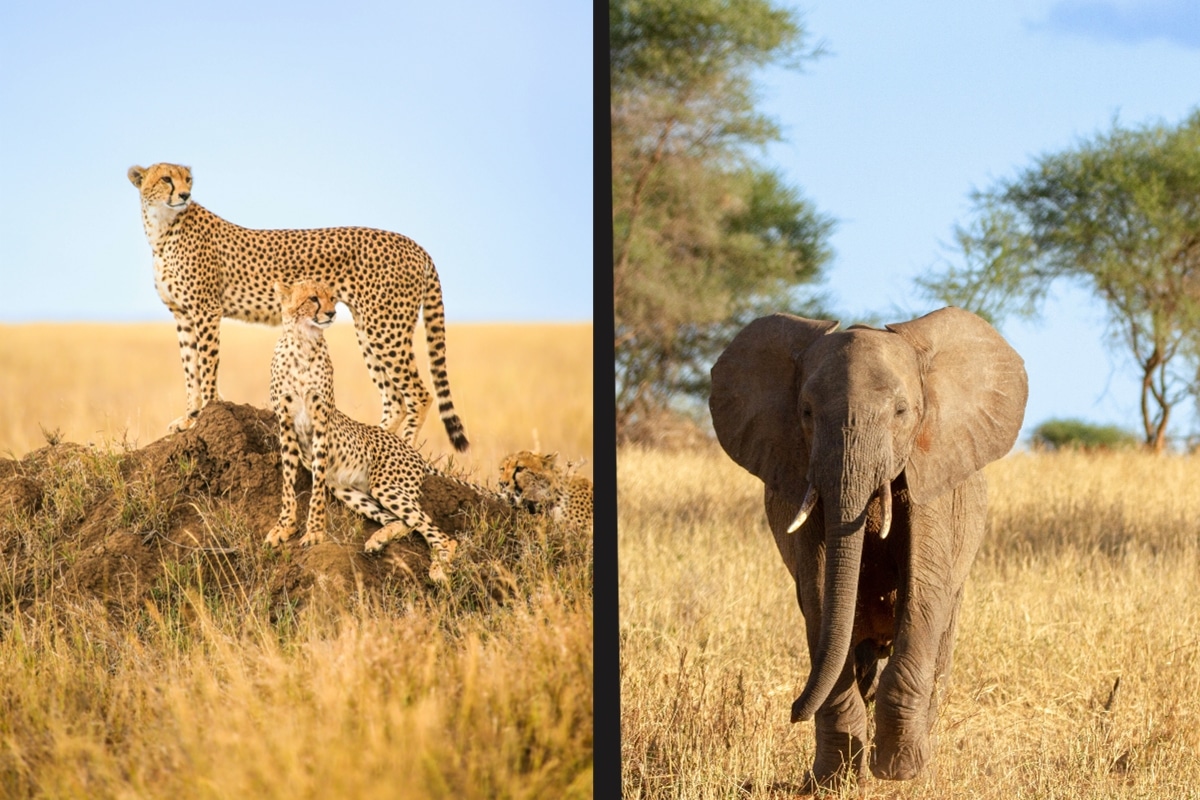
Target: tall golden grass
{"points": [[211, 693], [1089, 574], [514, 385]]}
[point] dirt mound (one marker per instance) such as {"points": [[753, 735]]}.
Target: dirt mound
{"points": [[191, 510]]}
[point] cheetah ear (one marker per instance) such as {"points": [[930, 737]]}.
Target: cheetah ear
{"points": [[550, 459], [282, 290], [135, 175]]}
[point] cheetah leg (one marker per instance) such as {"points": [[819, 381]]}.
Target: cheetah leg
{"points": [[442, 547], [208, 355], [289, 445], [414, 397], [375, 367], [185, 333], [314, 531], [404, 383], [363, 503], [389, 355]]}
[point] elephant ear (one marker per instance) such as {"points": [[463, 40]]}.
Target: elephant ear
{"points": [[755, 398], [975, 391]]}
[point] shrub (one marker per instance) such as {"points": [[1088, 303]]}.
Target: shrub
{"points": [[1060, 434]]}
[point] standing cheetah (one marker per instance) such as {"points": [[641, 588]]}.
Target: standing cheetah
{"points": [[371, 470], [206, 268], [536, 484]]}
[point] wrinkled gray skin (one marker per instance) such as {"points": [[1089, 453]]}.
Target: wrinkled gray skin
{"points": [[913, 411]]}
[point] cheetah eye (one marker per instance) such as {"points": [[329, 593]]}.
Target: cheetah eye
{"points": [[314, 299]]}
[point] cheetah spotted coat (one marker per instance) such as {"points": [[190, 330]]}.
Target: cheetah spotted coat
{"points": [[206, 268], [371, 470]]}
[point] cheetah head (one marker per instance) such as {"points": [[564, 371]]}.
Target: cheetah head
{"points": [[307, 304], [527, 479], [165, 187]]}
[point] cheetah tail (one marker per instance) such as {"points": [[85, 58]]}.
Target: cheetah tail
{"points": [[435, 334]]}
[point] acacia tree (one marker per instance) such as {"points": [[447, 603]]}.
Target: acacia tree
{"points": [[704, 237], [1120, 213]]}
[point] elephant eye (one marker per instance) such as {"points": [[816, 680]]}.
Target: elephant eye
{"points": [[901, 408]]}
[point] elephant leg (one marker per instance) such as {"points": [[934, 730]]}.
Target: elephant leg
{"points": [[841, 732], [944, 537], [945, 659], [903, 696], [868, 664]]}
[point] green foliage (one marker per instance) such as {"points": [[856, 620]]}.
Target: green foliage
{"points": [[705, 239], [1120, 215], [1060, 434]]}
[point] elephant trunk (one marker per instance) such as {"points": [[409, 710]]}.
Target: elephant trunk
{"points": [[843, 554], [845, 527]]}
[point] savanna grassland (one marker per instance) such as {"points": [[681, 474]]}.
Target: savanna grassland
{"points": [[514, 386], [217, 681], [1078, 654]]}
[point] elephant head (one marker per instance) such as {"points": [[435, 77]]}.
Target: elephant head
{"points": [[840, 415]]}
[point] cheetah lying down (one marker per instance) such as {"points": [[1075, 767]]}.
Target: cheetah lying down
{"points": [[536, 484]]}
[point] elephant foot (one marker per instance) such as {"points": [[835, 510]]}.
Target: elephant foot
{"points": [[840, 784], [839, 763], [899, 762]]}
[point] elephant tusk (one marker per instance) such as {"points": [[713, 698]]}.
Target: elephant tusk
{"points": [[885, 500], [810, 502]]}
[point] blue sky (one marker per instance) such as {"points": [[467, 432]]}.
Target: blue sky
{"points": [[466, 127], [916, 104]]}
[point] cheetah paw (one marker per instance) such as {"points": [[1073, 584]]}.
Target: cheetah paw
{"points": [[278, 535], [181, 424], [312, 537]]}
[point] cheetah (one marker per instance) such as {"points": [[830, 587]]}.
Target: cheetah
{"points": [[206, 268], [372, 470], [534, 483]]}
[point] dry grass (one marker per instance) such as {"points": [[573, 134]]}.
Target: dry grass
{"points": [[359, 702], [1089, 574], [212, 693], [511, 384]]}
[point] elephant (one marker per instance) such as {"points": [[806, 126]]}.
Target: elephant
{"points": [[870, 445]]}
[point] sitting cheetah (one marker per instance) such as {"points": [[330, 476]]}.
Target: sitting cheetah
{"points": [[371, 470], [533, 482], [206, 268]]}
